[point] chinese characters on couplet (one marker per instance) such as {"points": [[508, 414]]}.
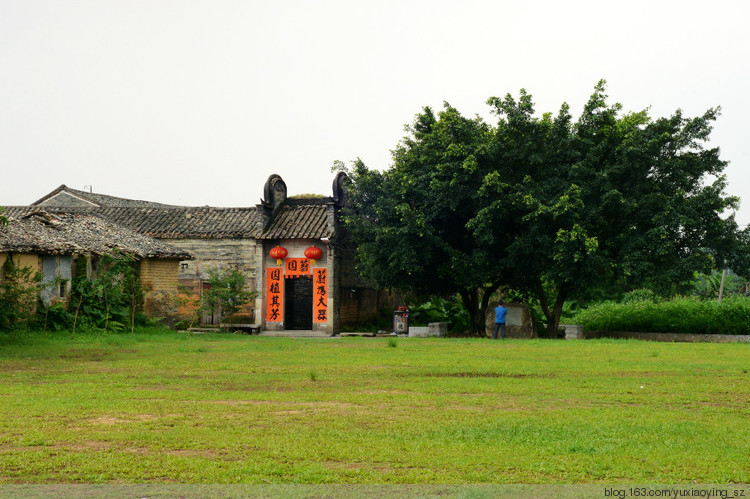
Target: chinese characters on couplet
{"points": [[275, 295], [297, 267], [320, 295]]}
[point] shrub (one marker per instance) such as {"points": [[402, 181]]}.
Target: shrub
{"points": [[679, 315], [639, 295], [226, 293], [440, 310], [110, 300]]}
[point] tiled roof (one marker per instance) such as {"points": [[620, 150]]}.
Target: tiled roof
{"points": [[295, 218], [301, 218], [43, 232], [54, 199], [170, 222]]}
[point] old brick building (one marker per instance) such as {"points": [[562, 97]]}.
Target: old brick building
{"points": [[63, 245], [296, 293]]}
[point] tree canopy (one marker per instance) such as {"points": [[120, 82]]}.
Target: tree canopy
{"points": [[549, 206]]}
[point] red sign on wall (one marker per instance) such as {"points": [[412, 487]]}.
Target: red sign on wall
{"points": [[274, 295], [320, 295], [297, 267]]}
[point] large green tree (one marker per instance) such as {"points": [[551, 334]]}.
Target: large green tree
{"points": [[550, 206]]}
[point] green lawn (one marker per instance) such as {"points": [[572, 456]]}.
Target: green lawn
{"points": [[171, 407]]}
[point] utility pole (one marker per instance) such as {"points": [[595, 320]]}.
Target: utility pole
{"points": [[721, 286]]}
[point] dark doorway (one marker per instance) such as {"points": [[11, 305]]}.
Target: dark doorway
{"points": [[298, 303]]}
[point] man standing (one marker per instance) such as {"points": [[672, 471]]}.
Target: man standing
{"points": [[500, 312]]}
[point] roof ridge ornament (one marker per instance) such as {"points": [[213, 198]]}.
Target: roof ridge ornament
{"points": [[274, 192], [340, 188]]}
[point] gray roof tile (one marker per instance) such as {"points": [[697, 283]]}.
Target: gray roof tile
{"points": [[47, 233]]}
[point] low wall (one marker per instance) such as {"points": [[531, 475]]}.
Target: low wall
{"points": [[685, 338]]}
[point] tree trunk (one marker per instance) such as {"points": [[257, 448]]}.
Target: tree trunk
{"points": [[477, 308], [552, 315]]}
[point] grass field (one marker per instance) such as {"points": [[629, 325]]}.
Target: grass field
{"points": [[169, 407]]}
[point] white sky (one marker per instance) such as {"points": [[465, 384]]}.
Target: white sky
{"points": [[197, 102]]}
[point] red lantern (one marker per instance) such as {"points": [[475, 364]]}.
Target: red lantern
{"points": [[279, 253], [313, 253]]}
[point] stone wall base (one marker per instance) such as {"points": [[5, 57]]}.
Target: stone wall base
{"points": [[674, 337]]}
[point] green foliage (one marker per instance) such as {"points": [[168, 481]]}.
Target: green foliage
{"points": [[307, 195], [440, 310], [109, 300], [55, 316], [3, 218], [227, 293], [19, 291], [708, 285], [238, 319], [392, 343], [679, 315], [638, 295], [548, 205]]}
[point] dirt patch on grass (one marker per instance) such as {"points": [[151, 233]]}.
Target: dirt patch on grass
{"points": [[89, 445], [193, 453], [235, 403], [113, 420], [484, 375]]}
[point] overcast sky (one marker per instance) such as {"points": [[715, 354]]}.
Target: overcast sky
{"points": [[197, 102]]}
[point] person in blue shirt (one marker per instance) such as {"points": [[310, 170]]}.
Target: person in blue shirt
{"points": [[500, 312]]}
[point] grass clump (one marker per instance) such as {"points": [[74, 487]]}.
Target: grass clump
{"points": [[679, 315]]}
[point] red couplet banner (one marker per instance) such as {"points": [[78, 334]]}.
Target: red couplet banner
{"points": [[320, 295], [274, 295], [297, 267]]}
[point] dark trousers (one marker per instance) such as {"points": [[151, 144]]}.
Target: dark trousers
{"points": [[501, 327]]}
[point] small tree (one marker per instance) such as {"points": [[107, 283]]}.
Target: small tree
{"points": [[226, 293]]}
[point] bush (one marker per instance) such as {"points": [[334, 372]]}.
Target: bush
{"points": [[440, 310], [226, 293], [679, 315], [639, 295]]}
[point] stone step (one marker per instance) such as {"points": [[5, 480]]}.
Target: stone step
{"points": [[296, 334], [203, 330]]}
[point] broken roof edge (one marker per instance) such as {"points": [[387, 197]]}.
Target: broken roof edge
{"points": [[81, 234]]}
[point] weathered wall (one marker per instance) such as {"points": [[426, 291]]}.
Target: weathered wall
{"points": [[363, 304], [159, 278], [244, 254], [33, 261], [223, 253]]}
